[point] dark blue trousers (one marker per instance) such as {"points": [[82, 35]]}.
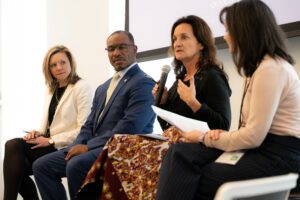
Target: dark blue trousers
{"points": [[48, 171]]}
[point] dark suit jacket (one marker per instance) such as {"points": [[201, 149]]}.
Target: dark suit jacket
{"points": [[127, 111]]}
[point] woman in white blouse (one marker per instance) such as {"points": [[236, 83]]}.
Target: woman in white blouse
{"points": [[67, 105], [269, 130]]}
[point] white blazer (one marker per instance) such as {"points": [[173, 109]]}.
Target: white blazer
{"points": [[71, 113]]}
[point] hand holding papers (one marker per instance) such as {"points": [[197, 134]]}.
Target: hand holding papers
{"points": [[183, 123]]}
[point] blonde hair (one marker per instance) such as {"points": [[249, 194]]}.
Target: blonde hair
{"points": [[50, 81]]}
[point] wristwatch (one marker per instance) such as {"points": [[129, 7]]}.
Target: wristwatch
{"points": [[51, 142]]}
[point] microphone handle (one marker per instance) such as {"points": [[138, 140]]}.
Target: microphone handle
{"points": [[161, 88]]}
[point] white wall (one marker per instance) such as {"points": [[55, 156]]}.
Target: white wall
{"points": [[23, 42], [83, 27], [0, 80], [0, 61]]}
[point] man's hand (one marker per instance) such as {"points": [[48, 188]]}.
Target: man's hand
{"points": [[39, 141], [76, 150]]}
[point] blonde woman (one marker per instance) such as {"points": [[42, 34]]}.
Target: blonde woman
{"points": [[68, 101]]}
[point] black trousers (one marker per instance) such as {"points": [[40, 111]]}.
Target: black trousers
{"points": [[189, 172], [17, 167]]}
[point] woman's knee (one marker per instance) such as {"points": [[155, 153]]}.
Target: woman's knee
{"points": [[13, 145]]}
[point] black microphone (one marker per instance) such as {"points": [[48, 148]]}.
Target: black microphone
{"points": [[163, 78]]}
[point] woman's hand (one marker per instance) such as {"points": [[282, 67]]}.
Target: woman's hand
{"points": [[31, 135], [188, 94], [198, 136], [214, 134], [39, 141], [164, 95], [193, 136]]}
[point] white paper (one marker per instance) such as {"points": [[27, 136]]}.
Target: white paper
{"points": [[183, 123], [155, 136]]}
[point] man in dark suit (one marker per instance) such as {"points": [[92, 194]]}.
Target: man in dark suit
{"points": [[125, 108]]}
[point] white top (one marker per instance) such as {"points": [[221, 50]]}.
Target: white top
{"points": [[271, 105]]}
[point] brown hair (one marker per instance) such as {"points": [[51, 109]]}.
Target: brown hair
{"points": [[204, 36], [254, 33], [51, 82]]}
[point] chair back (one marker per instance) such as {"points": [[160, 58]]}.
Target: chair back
{"points": [[274, 188]]}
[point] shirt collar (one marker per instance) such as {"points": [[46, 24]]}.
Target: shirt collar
{"points": [[124, 71]]}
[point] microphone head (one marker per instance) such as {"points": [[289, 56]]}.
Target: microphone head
{"points": [[166, 69]]}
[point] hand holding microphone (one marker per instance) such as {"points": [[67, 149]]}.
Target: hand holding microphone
{"points": [[164, 95], [160, 90]]}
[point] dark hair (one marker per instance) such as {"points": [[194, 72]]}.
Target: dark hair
{"points": [[254, 33], [51, 82], [129, 35], [204, 36]]}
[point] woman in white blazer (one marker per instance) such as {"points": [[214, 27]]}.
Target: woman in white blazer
{"points": [[67, 104]]}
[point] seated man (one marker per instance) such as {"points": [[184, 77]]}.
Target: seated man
{"points": [[125, 109]]}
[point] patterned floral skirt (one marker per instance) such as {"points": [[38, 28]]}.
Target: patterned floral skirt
{"points": [[127, 168]]}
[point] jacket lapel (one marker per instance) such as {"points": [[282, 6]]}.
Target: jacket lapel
{"points": [[101, 101], [120, 85]]}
